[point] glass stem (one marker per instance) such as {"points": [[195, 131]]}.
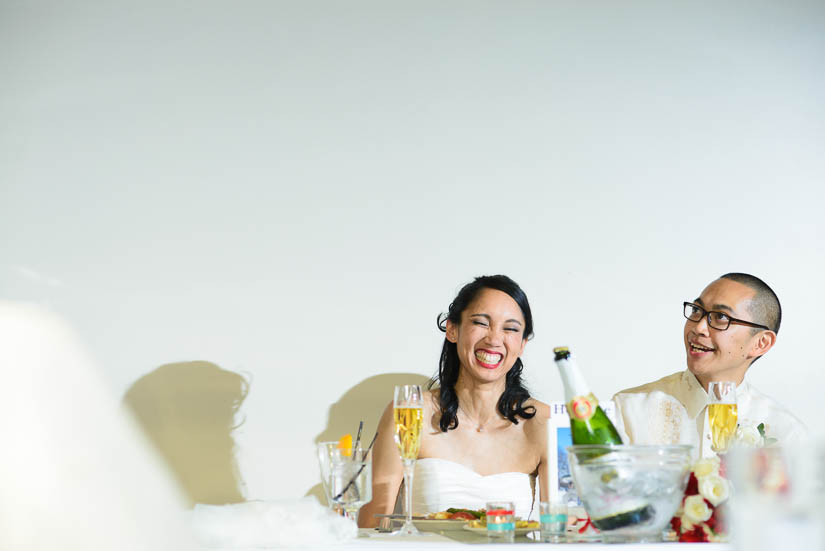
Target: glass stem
{"points": [[352, 514], [409, 467]]}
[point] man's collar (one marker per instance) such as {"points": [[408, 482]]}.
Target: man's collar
{"points": [[696, 398]]}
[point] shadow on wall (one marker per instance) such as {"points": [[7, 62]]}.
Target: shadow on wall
{"points": [[363, 402], [188, 412]]}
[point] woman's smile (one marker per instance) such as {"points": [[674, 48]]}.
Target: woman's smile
{"points": [[488, 358]]}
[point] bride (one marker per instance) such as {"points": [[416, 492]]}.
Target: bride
{"points": [[484, 438]]}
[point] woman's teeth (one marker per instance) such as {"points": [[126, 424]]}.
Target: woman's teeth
{"points": [[487, 358]]}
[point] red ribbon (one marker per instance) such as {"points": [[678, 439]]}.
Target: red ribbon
{"points": [[586, 524]]}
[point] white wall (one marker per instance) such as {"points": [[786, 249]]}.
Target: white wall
{"points": [[294, 190]]}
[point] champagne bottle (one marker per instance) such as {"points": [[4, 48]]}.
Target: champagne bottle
{"points": [[590, 425], [588, 422]]}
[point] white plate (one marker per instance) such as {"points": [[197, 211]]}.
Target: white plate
{"points": [[483, 531], [439, 525]]}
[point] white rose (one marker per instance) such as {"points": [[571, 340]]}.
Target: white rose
{"points": [[706, 466], [714, 488], [686, 525], [696, 510], [716, 538], [748, 436]]}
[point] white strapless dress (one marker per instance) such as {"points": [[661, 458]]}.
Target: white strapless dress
{"points": [[439, 484]]}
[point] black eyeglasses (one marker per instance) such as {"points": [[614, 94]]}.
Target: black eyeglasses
{"points": [[718, 320]]}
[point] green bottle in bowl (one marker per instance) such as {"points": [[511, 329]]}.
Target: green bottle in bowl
{"points": [[589, 425], [588, 422]]}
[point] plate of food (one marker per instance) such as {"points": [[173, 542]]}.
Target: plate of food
{"points": [[450, 519], [454, 513], [441, 521]]}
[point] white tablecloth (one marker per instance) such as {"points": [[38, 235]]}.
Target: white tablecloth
{"points": [[370, 540]]}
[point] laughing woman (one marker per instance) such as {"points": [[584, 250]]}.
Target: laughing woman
{"points": [[484, 438]]}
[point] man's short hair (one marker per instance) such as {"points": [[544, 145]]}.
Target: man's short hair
{"points": [[764, 307]]}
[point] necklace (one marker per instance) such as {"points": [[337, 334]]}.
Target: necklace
{"points": [[479, 426]]}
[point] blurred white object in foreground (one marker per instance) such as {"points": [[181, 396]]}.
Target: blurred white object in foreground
{"points": [[283, 523], [75, 472], [778, 497]]}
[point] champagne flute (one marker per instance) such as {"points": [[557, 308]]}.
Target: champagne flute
{"points": [[722, 414], [409, 419]]}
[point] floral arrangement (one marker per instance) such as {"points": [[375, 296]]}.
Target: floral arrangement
{"points": [[702, 515]]}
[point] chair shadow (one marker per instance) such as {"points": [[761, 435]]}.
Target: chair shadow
{"points": [[188, 410], [363, 402]]}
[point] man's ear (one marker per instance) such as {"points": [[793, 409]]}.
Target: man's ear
{"points": [[762, 344], [452, 332]]}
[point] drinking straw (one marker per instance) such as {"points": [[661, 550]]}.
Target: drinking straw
{"points": [[357, 439], [374, 436]]}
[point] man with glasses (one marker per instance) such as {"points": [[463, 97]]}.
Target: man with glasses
{"points": [[733, 323]]}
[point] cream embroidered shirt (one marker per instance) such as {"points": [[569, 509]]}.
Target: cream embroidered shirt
{"points": [[673, 410]]}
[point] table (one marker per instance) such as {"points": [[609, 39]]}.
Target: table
{"points": [[371, 540]]}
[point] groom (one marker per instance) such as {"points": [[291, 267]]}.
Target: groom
{"points": [[733, 323]]}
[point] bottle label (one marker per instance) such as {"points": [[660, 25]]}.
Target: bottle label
{"points": [[582, 407]]}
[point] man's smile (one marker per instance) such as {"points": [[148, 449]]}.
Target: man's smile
{"points": [[697, 349]]}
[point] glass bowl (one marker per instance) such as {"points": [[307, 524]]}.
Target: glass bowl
{"points": [[630, 492]]}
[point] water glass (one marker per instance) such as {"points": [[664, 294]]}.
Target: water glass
{"points": [[351, 482], [327, 451], [553, 520], [501, 524]]}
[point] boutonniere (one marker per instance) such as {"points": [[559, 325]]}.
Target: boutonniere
{"points": [[750, 436]]}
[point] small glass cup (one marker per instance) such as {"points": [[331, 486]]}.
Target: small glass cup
{"points": [[501, 523], [553, 520]]}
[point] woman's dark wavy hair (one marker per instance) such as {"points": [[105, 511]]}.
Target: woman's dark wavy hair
{"points": [[511, 402]]}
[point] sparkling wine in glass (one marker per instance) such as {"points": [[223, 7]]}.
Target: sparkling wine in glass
{"points": [[409, 420], [722, 414]]}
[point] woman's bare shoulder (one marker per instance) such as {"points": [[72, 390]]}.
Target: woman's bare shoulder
{"points": [[432, 409], [535, 428], [542, 411], [430, 398]]}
